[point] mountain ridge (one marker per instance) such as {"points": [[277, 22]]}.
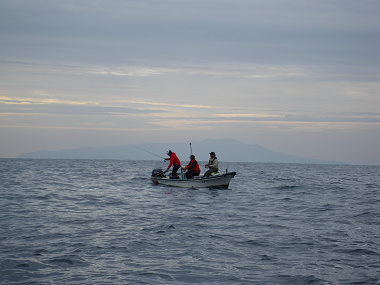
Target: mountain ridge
{"points": [[227, 150]]}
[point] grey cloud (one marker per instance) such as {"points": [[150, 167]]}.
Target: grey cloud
{"points": [[268, 31]]}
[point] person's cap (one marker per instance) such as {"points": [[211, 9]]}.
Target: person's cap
{"points": [[168, 152], [213, 153], [192, 156]]}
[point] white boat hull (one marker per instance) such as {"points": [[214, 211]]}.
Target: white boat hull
{"points": [[220, 180]]}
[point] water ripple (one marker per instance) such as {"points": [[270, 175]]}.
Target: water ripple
{"points": [[103, 222]]}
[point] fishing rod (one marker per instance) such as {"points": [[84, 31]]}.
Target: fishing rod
{"points": [[147, 151], [191, 149]]}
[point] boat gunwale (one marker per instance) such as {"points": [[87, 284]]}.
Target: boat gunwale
{"points": [[187, 182], [198, 178]]}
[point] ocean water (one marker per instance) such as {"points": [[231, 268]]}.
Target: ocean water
{"points": [[104, 222]]}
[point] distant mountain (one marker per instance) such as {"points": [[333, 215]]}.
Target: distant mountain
{"points": [[226, 150]]}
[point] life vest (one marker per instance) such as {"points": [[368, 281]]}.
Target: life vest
{"points": [[193, 166]]}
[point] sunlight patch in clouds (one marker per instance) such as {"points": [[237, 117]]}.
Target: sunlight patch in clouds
{"points": [[37, 101], [248, 116], [140, 72], [253, 71], [103, 128], [167, 104]]}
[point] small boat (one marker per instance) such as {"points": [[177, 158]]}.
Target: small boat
{"points": [[217, 179]]}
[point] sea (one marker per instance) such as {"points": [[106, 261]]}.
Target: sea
{"points": [[104, 222]]}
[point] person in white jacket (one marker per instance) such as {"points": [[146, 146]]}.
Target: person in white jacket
{"points": [[213, 164]]}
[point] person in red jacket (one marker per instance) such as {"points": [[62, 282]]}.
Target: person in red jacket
{"points": [[192, 168], [173, 161]]}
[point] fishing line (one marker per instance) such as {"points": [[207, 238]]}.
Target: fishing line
{"points": [[147, 151]]}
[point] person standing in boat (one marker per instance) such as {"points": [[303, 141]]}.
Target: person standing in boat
{"points": [[192, 168], [213, 164], [174, 160]]}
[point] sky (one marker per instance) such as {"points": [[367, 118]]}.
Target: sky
{"points": [[301, 77]]}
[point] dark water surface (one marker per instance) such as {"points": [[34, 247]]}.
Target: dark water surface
{"points": [[103, 222]]}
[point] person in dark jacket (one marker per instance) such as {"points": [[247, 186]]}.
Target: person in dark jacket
{"points": [[174, 160], [192, 168]]}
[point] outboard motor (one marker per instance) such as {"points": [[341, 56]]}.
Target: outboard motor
{"points": [[158, 173]]}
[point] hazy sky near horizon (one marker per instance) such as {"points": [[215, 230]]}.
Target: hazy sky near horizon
{"points": [[296, 76]]}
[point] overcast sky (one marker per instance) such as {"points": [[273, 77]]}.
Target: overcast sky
{"points": [[297, 76]]}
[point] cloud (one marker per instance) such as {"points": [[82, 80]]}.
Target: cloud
{"points": [[38, 101], [56, 106], [257, 116], [241, 118], [189, 106], [351, 117], [289, 32], [246, 125], [133, 72]]}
